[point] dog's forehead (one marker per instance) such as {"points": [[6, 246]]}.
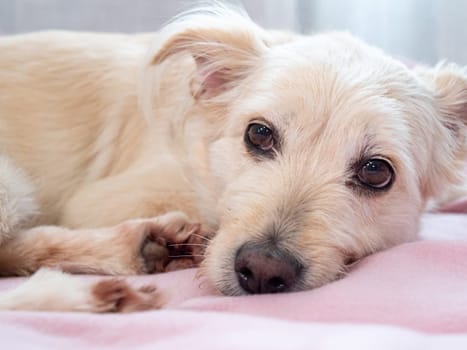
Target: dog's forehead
{"points": [[319, 74], [351, 103], [309, 93]]}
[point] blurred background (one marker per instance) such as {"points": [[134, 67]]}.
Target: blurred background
{"points": [[422, 30]]}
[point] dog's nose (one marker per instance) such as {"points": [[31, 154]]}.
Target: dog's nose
{"points": [[261, 268]]}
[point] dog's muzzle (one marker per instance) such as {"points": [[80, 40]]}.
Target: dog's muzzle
{"points": [[264, 268]]}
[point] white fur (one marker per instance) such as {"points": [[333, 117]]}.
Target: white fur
{"points": [[17, 204], [50, 290]]}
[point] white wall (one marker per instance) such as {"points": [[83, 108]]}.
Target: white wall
{"points": [[121, 15], [423, 30]]}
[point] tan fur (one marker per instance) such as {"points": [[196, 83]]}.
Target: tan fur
{"points": [[111, 127]]}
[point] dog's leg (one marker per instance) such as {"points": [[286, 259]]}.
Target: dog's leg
{"points": [[132, 247], [17, 204], [53, 290], [134, 194]]}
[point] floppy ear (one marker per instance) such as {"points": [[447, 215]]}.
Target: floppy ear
{"points": [[448, 85], [225, 44]]}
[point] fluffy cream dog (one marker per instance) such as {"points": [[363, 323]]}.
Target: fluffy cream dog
{"points": [[303, 153]]}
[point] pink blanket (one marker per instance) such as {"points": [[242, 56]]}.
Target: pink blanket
{"points": [[413, 296]]}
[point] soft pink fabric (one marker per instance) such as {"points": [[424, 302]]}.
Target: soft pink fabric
{"points": [[413, 296]]}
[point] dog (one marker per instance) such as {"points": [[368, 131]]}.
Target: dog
{"points": [[302, 153]]}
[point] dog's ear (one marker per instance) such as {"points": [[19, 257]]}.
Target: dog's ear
{"points": [[448, 86], [225, 44]]}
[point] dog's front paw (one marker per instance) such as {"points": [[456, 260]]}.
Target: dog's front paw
{"points": [[166, 243]]}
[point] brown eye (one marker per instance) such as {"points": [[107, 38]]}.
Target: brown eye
{"points": [[259, 137], [376, 174]]}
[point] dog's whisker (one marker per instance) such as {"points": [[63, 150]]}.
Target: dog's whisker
{"points": [[202, 237], [188, 244], [187, 256]]}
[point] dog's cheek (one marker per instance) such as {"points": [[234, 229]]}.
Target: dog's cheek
{"points": [[226, 161], [220, 164], [321, 255], [218, 265], [385, 222]]}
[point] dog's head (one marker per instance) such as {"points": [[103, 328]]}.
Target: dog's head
{"points": [[325, 150]]}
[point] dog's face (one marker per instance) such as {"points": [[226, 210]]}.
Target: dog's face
{"points": [[328, 151]]}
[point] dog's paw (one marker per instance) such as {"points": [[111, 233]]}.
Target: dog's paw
{"points": [[166, 243], [116, 295], [154, 254], [184, 240]]}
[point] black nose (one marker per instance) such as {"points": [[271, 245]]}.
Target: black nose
{"points": [[263, 268]]}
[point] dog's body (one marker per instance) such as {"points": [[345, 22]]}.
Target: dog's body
{"points": [[70, 158], [70, 118], [304, 153]]}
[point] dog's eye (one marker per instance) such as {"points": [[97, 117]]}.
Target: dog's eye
{"points": [[259, 137], [376, 174]]}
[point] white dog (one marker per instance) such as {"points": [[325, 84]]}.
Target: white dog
{"points": [[303, 153]]}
